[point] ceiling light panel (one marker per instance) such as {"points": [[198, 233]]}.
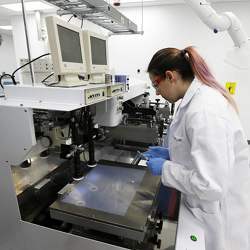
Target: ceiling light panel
{"points": [[29, 6], [5, 27]]}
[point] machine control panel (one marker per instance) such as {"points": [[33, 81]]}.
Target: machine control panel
{"points": [[115, 90], [95, 95], [43, 65]]}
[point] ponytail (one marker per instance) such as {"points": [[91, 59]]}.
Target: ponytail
{"points": [[189, 64], [204, 74]]}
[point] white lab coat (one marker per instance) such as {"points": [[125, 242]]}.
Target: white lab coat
{"points": [[210, 166]]}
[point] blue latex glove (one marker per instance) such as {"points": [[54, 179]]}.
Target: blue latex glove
{"points": [[155, 165], [157, 151]]}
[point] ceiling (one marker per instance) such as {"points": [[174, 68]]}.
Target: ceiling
{"points": [[130, 3], [6, 14]]}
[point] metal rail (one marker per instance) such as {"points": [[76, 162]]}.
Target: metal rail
{"points": [[98, 12]]}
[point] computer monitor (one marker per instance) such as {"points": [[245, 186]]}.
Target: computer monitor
{"points": [[96, 48], [67, 51]]}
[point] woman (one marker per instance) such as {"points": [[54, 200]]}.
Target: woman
{"points": [[208, 160]]}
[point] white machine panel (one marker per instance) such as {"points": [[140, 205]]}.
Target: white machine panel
{"points": [[53, 98], [40, 66], [116, 89], [109, 113], [136, 87], [95, 95], [17, 134]]}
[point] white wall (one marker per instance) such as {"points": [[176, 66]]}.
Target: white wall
{"points": [[7, 55], [37, 47], [178, 26], [164, 26], [172, 26]]}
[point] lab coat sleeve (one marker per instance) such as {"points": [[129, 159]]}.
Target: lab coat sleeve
{"points": [[207, 178]]}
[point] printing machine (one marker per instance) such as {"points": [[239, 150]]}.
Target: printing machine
{"points": [[143, 122], [61, 191]]}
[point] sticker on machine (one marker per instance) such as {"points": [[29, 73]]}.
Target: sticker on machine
{"points": [[231, 86]]}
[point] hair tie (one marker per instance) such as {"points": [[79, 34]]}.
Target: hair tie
{"points": [[184, 52]]}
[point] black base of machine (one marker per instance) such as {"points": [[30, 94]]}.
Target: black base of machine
{"points": [[114, 203], [150, 241]]}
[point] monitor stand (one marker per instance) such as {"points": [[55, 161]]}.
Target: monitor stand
{"points": [[98, 78], [69, 81]]}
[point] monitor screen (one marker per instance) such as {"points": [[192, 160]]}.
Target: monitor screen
{"points": [[70, 45], [98, 51]]}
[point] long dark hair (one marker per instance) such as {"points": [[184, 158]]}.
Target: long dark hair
{"points": [[189, 64]]}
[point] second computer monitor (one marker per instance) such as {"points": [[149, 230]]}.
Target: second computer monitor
{"points": [[96, 48]]}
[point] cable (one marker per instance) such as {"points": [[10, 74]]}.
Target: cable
{"points": [[70, 18], [53, 83], [47, 77], [74, 15], [82, 23], [13, 74], [2, 76], [47, 54], [1, 83]]}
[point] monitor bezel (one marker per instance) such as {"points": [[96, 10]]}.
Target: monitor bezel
{"points": [[60, 67]]}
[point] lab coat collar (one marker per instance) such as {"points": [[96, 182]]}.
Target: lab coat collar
{"points": [[194, 86], [191, 91]]}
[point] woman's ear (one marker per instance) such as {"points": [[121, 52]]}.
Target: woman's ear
{"points": [[169, 75]]}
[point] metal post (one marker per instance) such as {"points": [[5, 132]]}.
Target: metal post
{"points": [[27, 42], [92, 162]]}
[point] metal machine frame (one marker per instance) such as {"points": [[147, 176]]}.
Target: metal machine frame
{"points": [[17, 144], [99, 12]]}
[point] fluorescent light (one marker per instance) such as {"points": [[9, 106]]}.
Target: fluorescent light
{"points": [[6, 27], [29, 6]]}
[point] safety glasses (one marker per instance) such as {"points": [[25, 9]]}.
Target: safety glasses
{"points": [[156, 82]]}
